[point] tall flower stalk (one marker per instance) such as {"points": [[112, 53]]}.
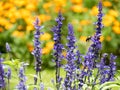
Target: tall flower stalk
{"points": [[37, 50], [91, 57], [22, 80], [8, 75], [70, 67], [2, 79], [58, 47], [8, 49]]}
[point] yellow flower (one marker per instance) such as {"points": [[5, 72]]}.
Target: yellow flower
{"points": [[59, 3], [101, 38], [1, 29], [29, 28], [64, 53], [31, 7], [47, 6], [84, 22], [77, 1], [50, 45], [108, 20], [116, 29], [20, 3], [108, 38], [107, 4], [77, 8], [45, 50], [116, 23], [114, 13], [45, 36], [44, 18], [18, 34], [94, 11], [30, 47], [83, 38]]}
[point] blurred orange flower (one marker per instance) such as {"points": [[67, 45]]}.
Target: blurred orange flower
{"points": [[45, 50], [101, 38], [77, 1], [77, 8], [108, 20], [50, 44], [114, 13], [107, 4], [30, 47], [45, 36], [83, 38], [44, 18], [84, 22], [94, 11], [116, 29], [18, 34]]}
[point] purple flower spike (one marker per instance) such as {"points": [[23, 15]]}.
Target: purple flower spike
{"points": [[58, 47], [70, 67], [2, 81], [102, 68], [112, 67], [37, 50], [8, 49], [22, 77]]}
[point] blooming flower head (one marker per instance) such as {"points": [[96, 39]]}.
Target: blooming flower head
{"points": [[2, 81], [37, 50], [58, 47], [70, 67], [22, 77], [8, 49]]}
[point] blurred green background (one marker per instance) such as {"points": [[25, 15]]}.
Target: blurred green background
{"points": [[17, 17]]}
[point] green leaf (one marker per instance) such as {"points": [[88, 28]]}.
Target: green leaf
{"points": [[8, 63], [111, 86]]}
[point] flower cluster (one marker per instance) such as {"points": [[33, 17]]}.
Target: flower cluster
{"points": [[2, 79], [22, 78], [58, 47], [70, 67], [37, 49]]}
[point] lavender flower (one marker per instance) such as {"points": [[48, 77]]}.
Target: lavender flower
{"points": [[93, 51], [37, 49], [8, 49], [112, 66], [8, 75], [22, 77], [70, 67], [58, 47], [103, 69], [42, 86], [2, 81]]}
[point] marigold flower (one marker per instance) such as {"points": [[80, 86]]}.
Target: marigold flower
{"points": [[77, 1], [18, 34], [113, 13], [108, 20], [84, 22], [77, 8], [94, 11], [50, 45], [107, 4], [45, 36], [46, 50], [116, 29], [83, 38]]}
